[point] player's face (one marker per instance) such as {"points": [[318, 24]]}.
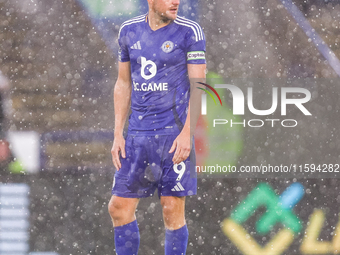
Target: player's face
{"points": [[166, 9]]}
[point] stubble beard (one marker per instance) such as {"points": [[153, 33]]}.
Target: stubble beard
{"points": [[165, 17]]}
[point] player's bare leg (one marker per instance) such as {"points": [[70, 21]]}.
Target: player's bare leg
{"points": [[173, 212], [122, 211], [176, 236]]}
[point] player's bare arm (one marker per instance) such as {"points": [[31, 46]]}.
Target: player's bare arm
{"points": [[122, 98], [183, 142]]}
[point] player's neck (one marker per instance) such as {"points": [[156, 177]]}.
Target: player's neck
{"points": [[157, 22]]}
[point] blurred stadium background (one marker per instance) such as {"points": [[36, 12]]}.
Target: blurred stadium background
{"points": [[58, 59]]}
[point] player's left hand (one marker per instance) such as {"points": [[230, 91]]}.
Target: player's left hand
{"points": [[182, 144]]}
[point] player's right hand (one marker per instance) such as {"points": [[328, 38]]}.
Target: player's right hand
{"points": [[118, 148]]}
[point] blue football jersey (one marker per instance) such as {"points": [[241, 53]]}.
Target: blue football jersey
{"points": [[160, 82]]}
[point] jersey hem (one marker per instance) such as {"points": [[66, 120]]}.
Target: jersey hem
{"points": [[152, 133], [118, 194], [124, 60], [180, 194]]}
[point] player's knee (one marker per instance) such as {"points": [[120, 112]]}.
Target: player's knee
{"points": [[116, 209], [172, 205], [168, 207], [173, 212], [122, 209]]}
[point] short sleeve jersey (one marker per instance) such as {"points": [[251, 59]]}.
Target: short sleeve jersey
{"points": [[159, 74]]}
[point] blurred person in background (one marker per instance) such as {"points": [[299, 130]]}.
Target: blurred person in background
{"points": [[158, 53], [5, 152]]}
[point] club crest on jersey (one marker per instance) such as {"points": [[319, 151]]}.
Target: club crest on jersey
{"points": [[168, 46]]}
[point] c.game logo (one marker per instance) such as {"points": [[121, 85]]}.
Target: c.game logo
{"points": [[151, 69]]}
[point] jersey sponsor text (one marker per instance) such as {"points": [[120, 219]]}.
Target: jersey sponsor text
{"points": [[162, 86]]}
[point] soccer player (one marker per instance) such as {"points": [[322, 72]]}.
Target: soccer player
{"points": [[159, 54]]}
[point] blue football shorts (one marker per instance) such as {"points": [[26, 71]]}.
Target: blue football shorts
{"points": [[148, 166]]}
